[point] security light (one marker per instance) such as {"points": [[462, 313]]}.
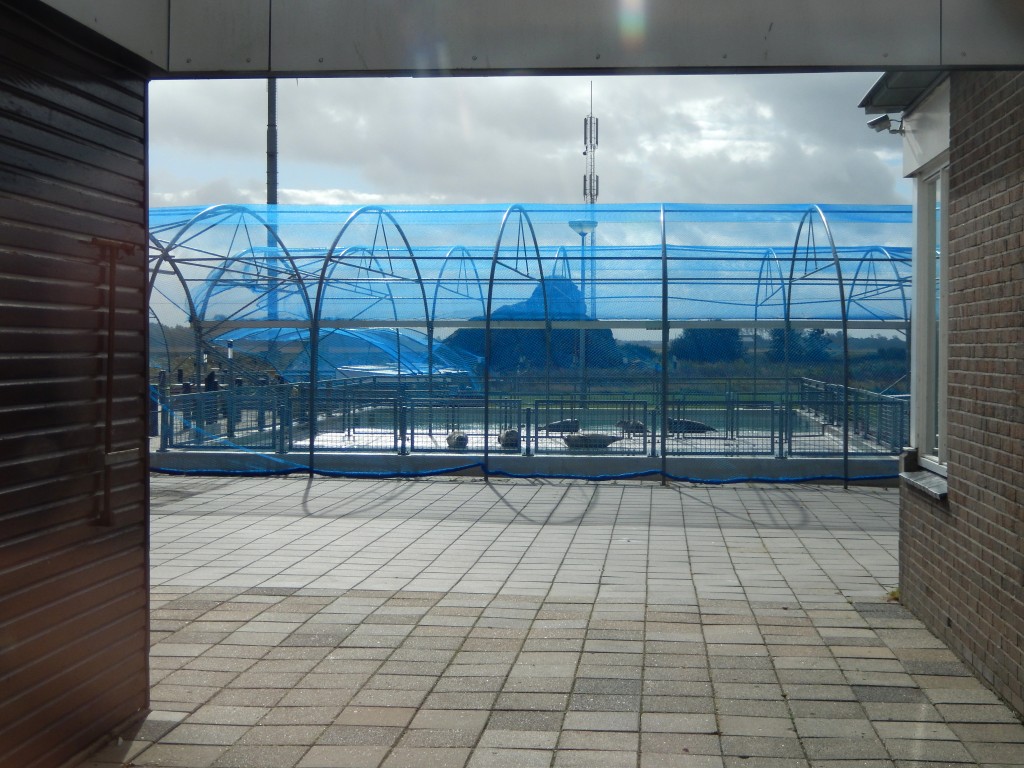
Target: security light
{"points": [[883, 123]]}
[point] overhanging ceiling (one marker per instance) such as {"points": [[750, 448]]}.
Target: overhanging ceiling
{"points": [[236, 38], [899, 91]]}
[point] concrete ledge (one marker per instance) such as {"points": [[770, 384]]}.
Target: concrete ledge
{"points": [[876, 470], [928, 483]]}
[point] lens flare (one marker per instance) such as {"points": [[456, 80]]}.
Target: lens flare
{"points": [[633, 22]]}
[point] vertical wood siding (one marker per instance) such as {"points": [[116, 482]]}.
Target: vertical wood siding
{"points": [[73, 580]]}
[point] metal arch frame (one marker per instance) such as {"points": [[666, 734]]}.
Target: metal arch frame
{"points": [[900, 282], [466, 258], [372, 260], [155, 270], [156, 262], [153, 318], [314, 331], [196, 315], [561, 262], [523, 216], [808, 220], [769, 259], [373, 265], [817, 252], [221, 271]]}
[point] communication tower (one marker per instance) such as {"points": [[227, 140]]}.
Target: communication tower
{"points": [[590, 180]]}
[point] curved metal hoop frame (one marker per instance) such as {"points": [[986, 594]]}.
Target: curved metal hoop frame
{"points": [[202, 223], [813, 215], [218, 253], [384, 217], [523, 227]]}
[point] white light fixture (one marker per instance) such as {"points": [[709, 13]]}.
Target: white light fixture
{"points": [[583, 227]]}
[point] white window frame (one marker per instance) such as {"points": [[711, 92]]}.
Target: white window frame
{"points": [[930, 316]]}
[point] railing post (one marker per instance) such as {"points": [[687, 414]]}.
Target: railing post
{"points": [[287, 422], [229, 407], [202, 406], [166, 414], [261, 406], [155, 394], [787, 429], [411, 420], [399, 422], [771, 429]]}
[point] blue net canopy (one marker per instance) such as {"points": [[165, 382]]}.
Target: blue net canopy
{"points": [[234, 266], [302, 337]]}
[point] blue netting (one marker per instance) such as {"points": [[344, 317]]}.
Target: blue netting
{"points": [[542, 310]]}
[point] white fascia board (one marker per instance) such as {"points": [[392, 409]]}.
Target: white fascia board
{"points": [[926, 131]]}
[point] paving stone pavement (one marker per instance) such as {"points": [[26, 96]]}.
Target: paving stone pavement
{"points": [[453, 622]]}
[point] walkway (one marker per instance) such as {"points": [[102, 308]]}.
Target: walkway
{"points": [[357, 624]]}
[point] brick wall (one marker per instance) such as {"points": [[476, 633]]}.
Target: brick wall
{"points": [[962, 562]]}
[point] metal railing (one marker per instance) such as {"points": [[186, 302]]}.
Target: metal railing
{"points": [[354, 416]]}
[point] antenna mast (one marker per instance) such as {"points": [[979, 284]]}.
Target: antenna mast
{"points": [[590, 181]]}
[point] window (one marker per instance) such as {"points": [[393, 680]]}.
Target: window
{"points": [[930, 343]]}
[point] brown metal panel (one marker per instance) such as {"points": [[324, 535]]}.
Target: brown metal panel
{"points": [[39, 634], [74, 220], [57, 712], [73, 323], [66, 568], [42, 243], [52, 74]]}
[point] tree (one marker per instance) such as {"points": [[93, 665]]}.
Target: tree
{"points": [[638, 353], [816, 343], [778, 339], [707, 345], [809, 346]]}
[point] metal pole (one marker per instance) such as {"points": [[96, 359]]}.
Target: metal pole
{"points": [[272, 141], [583, 328], [272, 297], [664, 350]]}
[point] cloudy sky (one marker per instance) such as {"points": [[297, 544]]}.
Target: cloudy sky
{"points": [[675, 139]]}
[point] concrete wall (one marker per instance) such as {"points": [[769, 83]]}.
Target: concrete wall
{"points": [[367, 37], [962, 560]]}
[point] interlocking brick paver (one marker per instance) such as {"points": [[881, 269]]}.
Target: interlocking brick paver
{"points": [[493, 757], [361, 735], [435, 757], [518, 739], [191, 755], [260, 757], [343, 757], [193, 733], [543, 623], [594, 758]]}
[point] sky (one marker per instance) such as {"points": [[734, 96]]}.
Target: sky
{"points": [[780, 138]]}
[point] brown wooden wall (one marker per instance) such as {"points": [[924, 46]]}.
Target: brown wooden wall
{"points": [[73, 529]]}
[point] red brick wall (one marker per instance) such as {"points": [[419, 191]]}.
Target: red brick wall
{"points": [[962, 563]]}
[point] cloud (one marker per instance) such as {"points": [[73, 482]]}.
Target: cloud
{"points": [[694, 139], [213, 192]]}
